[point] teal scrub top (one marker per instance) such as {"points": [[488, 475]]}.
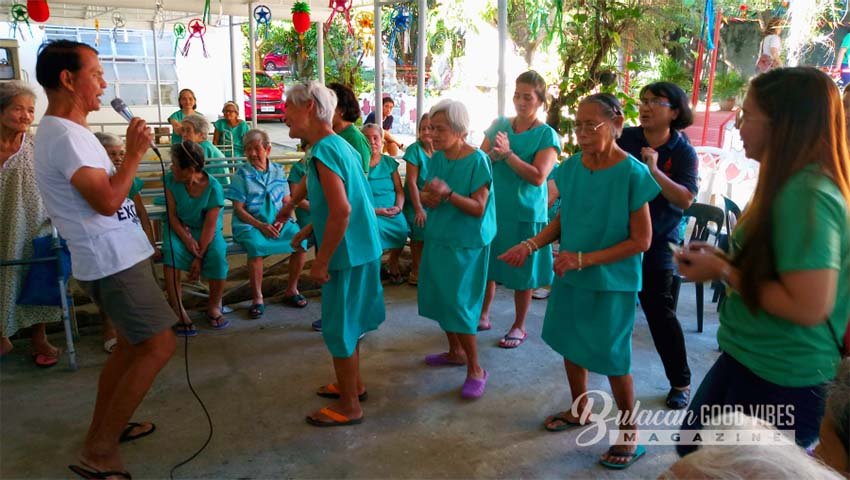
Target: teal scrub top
{"points": [[446, 224], [137, 187], [232, 136], [595, 211], [360, 243], [516, 199], [211, 152], [296, 173], [845, 44], [356, 139], [192, 210], [381, 182], [261, 192], [179, 116], [415, 155]]}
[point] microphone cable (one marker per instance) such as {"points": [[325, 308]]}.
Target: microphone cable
{"points": [[185, 337]]}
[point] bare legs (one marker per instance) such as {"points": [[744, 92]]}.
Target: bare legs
{"points": [[255, 277], [123, 383], [522, 301], [175, 296], [296, 266], [350, 385], [40, 344]]}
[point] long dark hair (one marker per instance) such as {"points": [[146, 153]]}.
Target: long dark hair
{"points": [[806, 127]]}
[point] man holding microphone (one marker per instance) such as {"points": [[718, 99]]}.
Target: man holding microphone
{"points": [[86, 197]]}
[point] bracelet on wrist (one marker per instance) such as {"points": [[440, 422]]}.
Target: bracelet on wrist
{"points": [[533, 244], [528, 246], [580, 263]]}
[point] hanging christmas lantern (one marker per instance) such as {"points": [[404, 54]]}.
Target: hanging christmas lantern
{"points": [[38, 10], [301, 17]]}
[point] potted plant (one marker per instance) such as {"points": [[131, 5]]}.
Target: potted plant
{"points": [[728, 87]]}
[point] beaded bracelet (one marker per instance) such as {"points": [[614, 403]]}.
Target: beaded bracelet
{"points": [[579, 261], [533, 244]]}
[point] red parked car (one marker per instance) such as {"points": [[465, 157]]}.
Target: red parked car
{"points": [[276, 62], [269, 97]]}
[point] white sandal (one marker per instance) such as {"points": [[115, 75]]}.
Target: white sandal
{"points": [[109, 345]]}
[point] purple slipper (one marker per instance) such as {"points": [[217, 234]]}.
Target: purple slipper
{"points": [[474, 388], [441, 360]]}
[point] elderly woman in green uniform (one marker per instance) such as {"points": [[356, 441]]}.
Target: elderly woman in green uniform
{"points": [[192, 241], [523, 150], [388, 200], [348, 257], [230, 130], [603, 227], [196, 128], [188, 106], [258, 191], [417, 156], [461, 225]]}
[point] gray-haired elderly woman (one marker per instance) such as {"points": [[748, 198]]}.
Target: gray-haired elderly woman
{"points": [[23, 217], [258, 191], [197, 129], [348, 256], [461, 225], [834, 442]]}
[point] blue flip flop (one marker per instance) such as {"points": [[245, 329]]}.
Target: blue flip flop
{"points": [[185, 329], [222, 322], [640, 450]]}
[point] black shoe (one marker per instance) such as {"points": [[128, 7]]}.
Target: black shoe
{"points": [[317, 325], [678, 399]]}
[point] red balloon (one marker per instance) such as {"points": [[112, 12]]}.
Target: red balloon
{"points": [[38, 10]]}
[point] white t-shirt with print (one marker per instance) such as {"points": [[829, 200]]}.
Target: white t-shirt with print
{"points": [[100, 245], [769, 43]]}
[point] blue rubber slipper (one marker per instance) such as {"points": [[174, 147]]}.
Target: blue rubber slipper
{"points": [[222, 322], [185, 329], [615, 451]]}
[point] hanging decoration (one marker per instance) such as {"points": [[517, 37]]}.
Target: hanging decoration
{"points": [[96, 32], [263, 17], [159, 19], [119, 22], [38, 10], [179, 34], [197, 28], [18, 12], [401, 20], [342, 7], [365, 25], [205, 17], [301, 23]]}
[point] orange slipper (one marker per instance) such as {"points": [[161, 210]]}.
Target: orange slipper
{"points": [[332, 391], [337, 419], [43, 360]]}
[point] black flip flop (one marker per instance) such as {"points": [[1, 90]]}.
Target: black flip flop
{"points": [[99, 475], [127, 436]]}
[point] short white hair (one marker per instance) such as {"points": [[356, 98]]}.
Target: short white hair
{"points": [[11, 89], [456, 113], [109, 139], [256, 135], [198, 123], [744, 462], [323, 97], [373, 126], [838, 403]]}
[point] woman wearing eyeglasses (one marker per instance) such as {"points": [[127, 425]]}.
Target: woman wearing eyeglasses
{"points": [[193, 240], [672, 161], [603, 226], [230, 130]]}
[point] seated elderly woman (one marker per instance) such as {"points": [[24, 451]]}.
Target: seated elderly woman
{"points": [[388, 200], [195, 200], [258, 191], [733, 461], [24, 218], [230, 130], [834, 442], [197, 128]]}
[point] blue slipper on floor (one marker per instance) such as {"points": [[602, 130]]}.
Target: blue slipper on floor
{"points": [[222, 322], [640, 450], [185, 329]]}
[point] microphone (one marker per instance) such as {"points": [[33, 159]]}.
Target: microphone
{"points": [[122, 109]]}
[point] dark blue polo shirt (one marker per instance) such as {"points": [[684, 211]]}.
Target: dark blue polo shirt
{"points": [[387, 121], [678, 160]]}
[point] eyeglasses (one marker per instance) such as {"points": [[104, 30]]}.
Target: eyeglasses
{"points": [[588, 127], [230, 111], [655, 102]]}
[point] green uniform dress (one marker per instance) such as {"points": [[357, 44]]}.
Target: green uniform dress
{"points": [[415, 155], [296, 173], [212, 155], [356, 139], [811, 231], [591, 313], [392, 230], [453, 273], [192, 211], [521, 210], [353, 299], [262, 193], [556, 207], [232, 136]]}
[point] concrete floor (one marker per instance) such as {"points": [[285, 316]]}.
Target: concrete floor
{"points": [[258, 380]]}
